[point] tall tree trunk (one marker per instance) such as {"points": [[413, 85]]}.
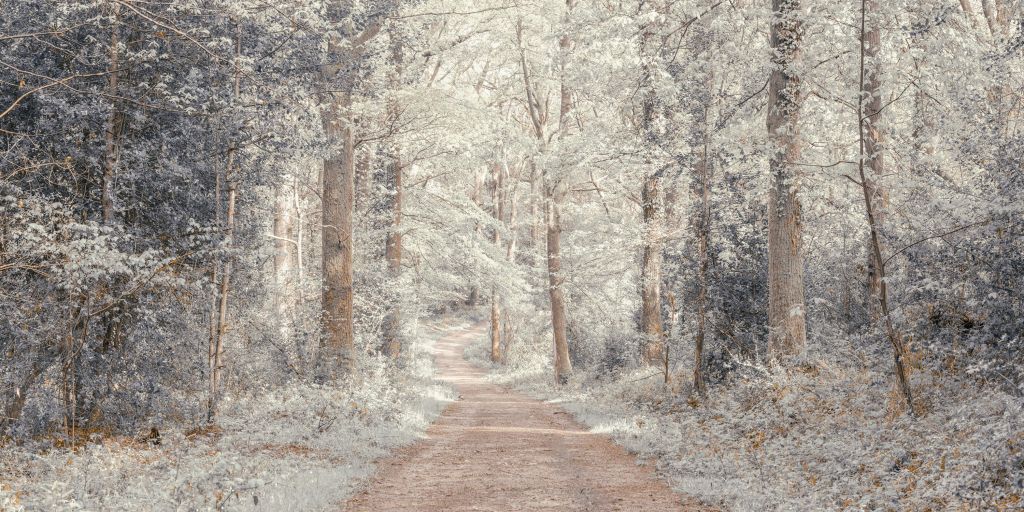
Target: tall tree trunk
{"points": [[393, 255], [702, 225], [651, 214], [563, 366], [786, 309], [338, 202], [551, 186], [393, 241], [217, 354], [871, 91], [650, 273], [870, 156], [559, 321], [498, 213], [338, 343]]}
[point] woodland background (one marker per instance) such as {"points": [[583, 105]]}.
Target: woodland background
{"points": [[221, 217]]}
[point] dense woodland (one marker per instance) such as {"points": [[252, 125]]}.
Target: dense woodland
{"points": [[768, 226]]}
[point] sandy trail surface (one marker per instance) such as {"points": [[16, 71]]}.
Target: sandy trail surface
{"points": [[498, 450]]}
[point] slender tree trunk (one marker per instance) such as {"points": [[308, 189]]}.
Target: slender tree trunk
{"points": [[870, 156], [393, 242], [393, 255], [216, 355], [563, 366], [786, 309], [873, 143], [498, 213], [702, 190]]}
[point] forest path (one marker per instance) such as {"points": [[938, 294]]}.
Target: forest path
{"points": [[498, 450]]}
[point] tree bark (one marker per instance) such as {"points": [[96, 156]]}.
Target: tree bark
{"points": [[651, 217], [338, 202], [284, 257], [871, 91], [338, 342], [498, 214], [870, 156], [563, 366], [702, 225], [650, 273], [393, 241], [786, 309]]}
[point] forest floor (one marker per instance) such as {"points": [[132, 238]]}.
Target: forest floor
{"points": [[497, 449]]}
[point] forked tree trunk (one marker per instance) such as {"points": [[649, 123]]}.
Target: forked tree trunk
{"points": [[550, 187], [786, 309], [870, 156]]}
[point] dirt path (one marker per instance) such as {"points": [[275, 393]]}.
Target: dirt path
{"points": [[498, 450]]}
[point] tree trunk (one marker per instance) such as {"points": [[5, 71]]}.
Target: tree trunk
{"points": [[650, 274], [870, 156], [702, 225], [393, 241], [338, 342], [284, 257], [559, 327], [338, 202], [563, 366], [786, 310], [393, 254], [651, 213], [216, 355], [498, 213], [873, 145]]}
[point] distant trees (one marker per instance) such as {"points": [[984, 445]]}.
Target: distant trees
{"points": [[195, 196]]}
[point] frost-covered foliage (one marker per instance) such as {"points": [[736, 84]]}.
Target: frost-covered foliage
{"points": [[827, 435], [295, 447], [162, 192]]}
